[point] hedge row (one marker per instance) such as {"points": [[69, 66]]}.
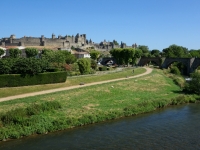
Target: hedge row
{"points": [[13, 80]]}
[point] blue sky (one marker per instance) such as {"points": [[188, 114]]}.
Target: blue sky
{"points": [[155, 23]]}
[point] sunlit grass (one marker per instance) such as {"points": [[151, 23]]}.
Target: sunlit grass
{"points": [[4, 92], [107, 96], [92, 104]]}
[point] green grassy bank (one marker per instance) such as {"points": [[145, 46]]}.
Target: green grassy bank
{"points": [[77, 107], [11, 91]]}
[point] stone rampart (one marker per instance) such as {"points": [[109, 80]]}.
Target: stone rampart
{"points": [[78, 40], [30, 44], [12, 44]]}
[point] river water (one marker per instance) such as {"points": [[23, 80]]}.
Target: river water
{"points": [[176, 127]]}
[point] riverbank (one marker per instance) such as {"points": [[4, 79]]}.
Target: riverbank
{"points": [[97, 103]]}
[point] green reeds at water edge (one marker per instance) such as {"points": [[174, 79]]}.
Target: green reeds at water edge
{"points": [[35, 119], [26, 121]]}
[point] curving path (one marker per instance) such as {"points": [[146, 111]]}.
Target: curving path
{"points": [[148, 71]]}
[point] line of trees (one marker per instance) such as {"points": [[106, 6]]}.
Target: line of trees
{"points": [[35, 62], [46, 61], [124, 56], [172, 51]]}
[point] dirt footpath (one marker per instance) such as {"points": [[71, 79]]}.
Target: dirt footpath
{"points": [[148, 71]]}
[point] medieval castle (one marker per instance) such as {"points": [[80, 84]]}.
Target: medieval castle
{"points": [[66, 42]]}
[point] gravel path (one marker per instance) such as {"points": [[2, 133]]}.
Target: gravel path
{"points": [[148, 70]]}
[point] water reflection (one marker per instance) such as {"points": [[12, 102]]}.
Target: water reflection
{"points": [[170, 128]]}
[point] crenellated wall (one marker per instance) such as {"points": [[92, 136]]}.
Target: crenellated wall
{"points": [[60, 41]]}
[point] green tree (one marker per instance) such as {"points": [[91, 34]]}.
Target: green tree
{"points": [[15, 52], [145, 50], [182, 68], [6, 65], [128, 55], [175, 51], [175, 70], [93, 64], [155, 53], [94, 54], [138, 54], [123, 56], [194, 53], [69, 58], [56, 58], [84, 65], [193, 86], [30, 66], [31, 52], [1, 51], [116, 53]]}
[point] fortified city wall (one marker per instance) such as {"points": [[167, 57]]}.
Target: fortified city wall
{"points": [[61, 42], [67, 41]]}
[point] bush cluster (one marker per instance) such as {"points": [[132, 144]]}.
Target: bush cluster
{"points": [[84, 65], [26, 121], [175, 70], [23, 66], [14, 80]]}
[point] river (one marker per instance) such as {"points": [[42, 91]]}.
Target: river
{"points": [[176, 127]]}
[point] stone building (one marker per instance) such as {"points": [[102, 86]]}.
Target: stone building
{"points": [[61, 41]]}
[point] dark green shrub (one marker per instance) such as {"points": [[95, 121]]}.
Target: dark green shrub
{"points": [[14, 116], [31, 52], [1, 51], [93, 64], [6, 65], [84, 65], [30, 66], [59, 124], [42, 78], [175, 70], [14, 52], [193, 86]]}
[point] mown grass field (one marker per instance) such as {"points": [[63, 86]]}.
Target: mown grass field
{"points": [[88, 105], [4, 92], [110, 95]]}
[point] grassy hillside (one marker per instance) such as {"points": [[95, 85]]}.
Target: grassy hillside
{"points": [[77, 107]]}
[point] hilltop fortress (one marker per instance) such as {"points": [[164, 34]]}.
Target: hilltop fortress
{"points": [[61, 42]]}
